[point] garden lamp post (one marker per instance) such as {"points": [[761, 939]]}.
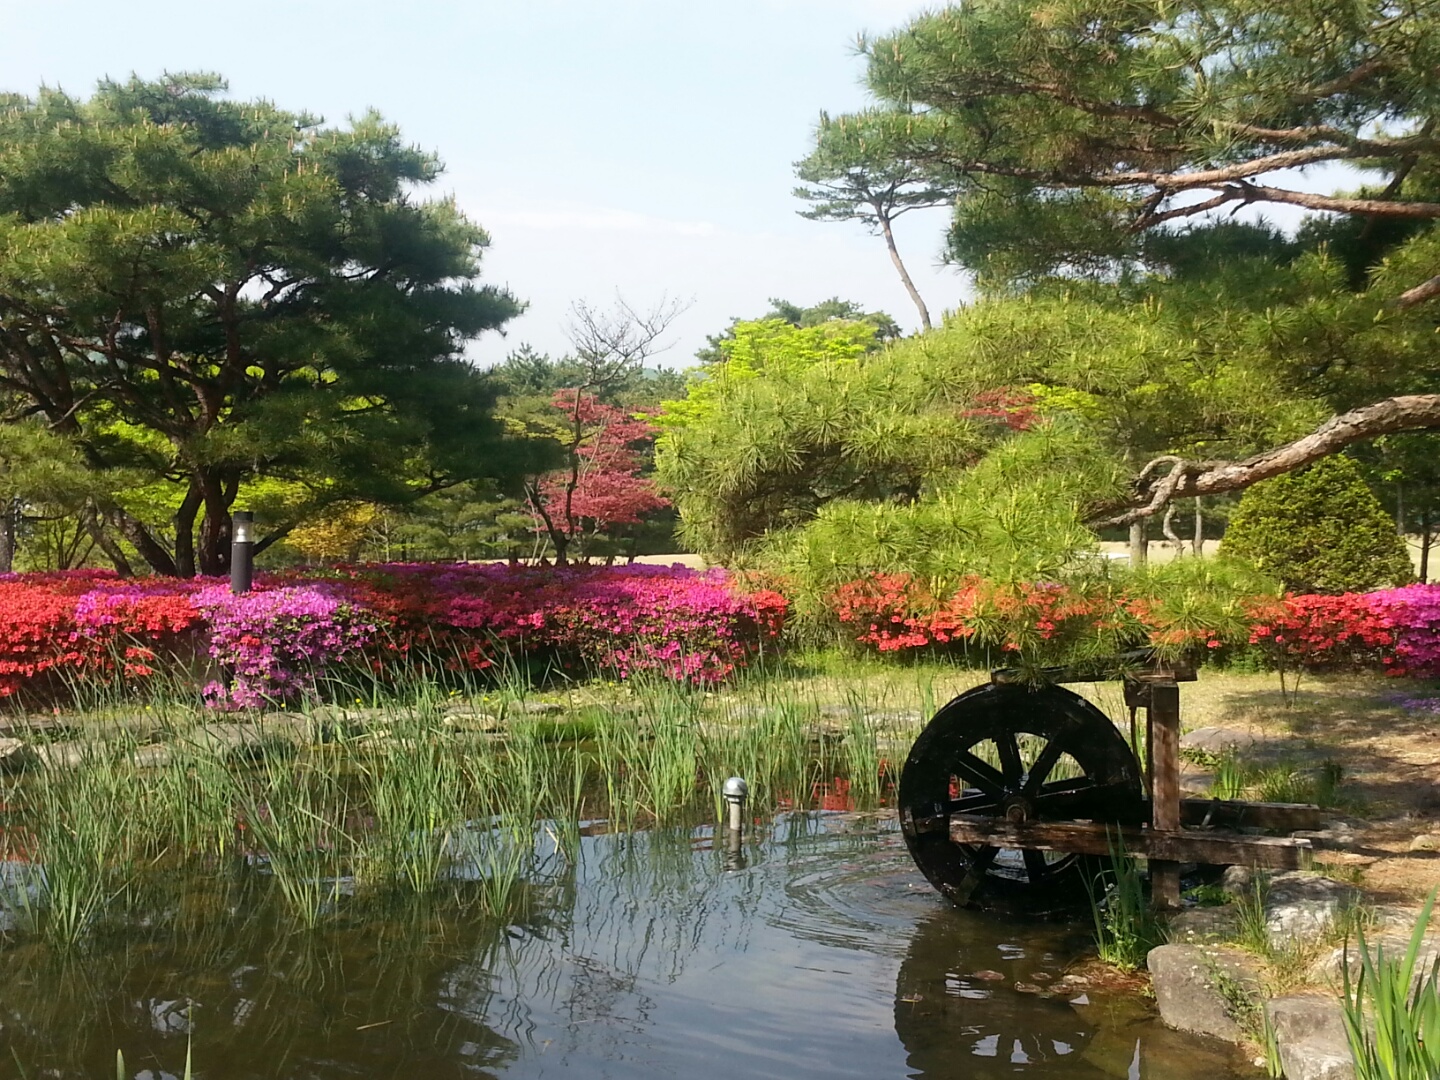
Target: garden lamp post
{"points": [[242, 551]]}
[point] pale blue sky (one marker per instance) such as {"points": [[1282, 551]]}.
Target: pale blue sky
{"points": [[643, 146]]}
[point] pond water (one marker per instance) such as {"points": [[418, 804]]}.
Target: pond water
{"points": [[818, 951]]}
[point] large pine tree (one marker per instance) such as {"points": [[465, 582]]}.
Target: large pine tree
{"points": [[214, 291]]}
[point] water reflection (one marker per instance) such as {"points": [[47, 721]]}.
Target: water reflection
{"points": [[643, 955]]}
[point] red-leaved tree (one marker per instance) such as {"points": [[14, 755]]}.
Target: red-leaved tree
{"points": [[600, 486]]}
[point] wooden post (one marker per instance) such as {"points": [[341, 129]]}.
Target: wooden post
{"points": [[1163, 720]]}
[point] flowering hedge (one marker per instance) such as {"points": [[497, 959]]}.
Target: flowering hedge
{"points": [[276, 641], [1392, 630]]}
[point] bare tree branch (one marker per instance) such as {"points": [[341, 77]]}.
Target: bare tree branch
{"points": [[1169, 477]]}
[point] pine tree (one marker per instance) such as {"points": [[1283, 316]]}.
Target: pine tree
{"points": [[1319, 530]]}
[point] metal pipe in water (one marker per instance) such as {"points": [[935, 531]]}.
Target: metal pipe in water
{"points": [[735, 793]]}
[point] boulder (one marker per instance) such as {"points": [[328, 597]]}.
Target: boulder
{"points": [[1393, 942], [533, 708], [1196, 987], [1301, 905], [1199, 925], [1240, 881], [1217, 740], [1426, 842], [1310, 1032], [13, 753]]}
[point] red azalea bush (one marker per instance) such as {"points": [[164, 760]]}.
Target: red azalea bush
{"points": [[1350, 632], [277, 640], [1394, 630], [897, 612]]}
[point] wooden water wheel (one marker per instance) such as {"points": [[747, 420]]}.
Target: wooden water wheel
{"points": [[1015, 796], [1020, 755]]}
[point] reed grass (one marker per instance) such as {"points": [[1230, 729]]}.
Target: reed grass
{"points": [[1125, 925], [1392, 1012], [323, 811]]}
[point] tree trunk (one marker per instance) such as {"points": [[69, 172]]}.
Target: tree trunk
{"points": [[185, 530], [1400, 509], [1427, 535], [1167, 526], [900, 266], [90, 520], [8, 514], [1197, 542], [1138, 545]]}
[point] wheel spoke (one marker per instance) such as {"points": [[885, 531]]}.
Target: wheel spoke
{"points": [[1036, 867], [1011, 767], [1044, 765], [978, 863], [978, 774], [973, 802], [1080, 799]]}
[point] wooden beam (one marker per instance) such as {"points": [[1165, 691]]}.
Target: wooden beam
{"points": [[1165, 846], [1233, 814], [1163, 714]]}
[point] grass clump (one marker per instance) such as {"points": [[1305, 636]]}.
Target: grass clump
{"points": [[1392, 1018], [1125, 926]]}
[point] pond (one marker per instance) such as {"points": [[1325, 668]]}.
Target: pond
{"points": [[817, 951]]}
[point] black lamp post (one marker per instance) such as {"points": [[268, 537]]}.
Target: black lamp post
{"points": [[242, 550]]}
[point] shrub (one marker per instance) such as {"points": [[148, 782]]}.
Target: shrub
{"points": [[1319, 530]]}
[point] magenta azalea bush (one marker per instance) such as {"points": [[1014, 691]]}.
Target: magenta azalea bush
{"points": [[275, 643], [1413, 613]]}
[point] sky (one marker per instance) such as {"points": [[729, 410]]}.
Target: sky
{"points": [[612, 148]]}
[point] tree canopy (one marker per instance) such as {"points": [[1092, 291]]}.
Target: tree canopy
{"points": [[1078, 136], [212, 291]]}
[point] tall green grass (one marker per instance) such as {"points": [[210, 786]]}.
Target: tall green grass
{"points": [[1392, 1011], [1125, 925], [324, 811]]}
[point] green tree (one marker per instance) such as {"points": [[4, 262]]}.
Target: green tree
{"points": [[871, 167], [804, 318], [1075, 132], [212, 292], [1319, 529]]}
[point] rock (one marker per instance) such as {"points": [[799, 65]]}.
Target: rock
{"points": [[1426, 842], [248, 740], [12, 753], [1240, 881], [1394, 943], [1217, 740], [1198, 925], [1310, 1032], [1195, 987], [154, 756], [1347, 858], [1301, 904], [474, 721], [533, 708], [1333, 838], [63, 755]]}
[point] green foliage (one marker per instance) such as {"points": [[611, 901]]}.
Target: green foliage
{"points": [[1401, 1003], [1319, 530], [981, 447], [1125, 925], [208, 292], [1068, 128], [803, 318]]}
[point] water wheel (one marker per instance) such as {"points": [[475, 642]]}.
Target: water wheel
{"points": [[1024, 754]]}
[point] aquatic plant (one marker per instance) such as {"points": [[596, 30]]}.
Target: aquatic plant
{"points": [[1125, 925], [1403, 1006]]}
